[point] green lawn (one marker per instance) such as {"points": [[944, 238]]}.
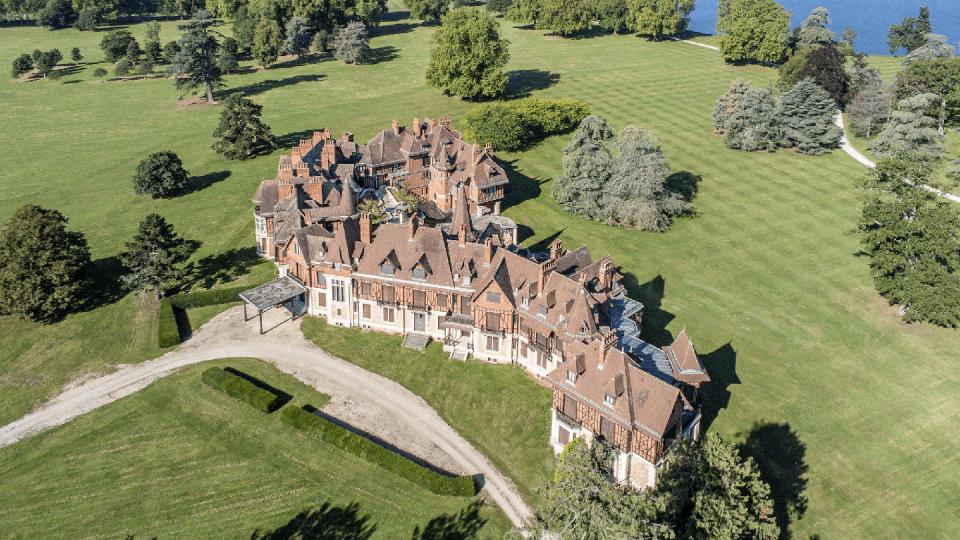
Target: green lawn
{"points": [[765, 277], [181, 460], [498, 408]]}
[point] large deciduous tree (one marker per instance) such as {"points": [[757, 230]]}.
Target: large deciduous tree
{"points": [[352, 44], [611, 14], [115, 44], [912, 240], [909, 130], [58, 14], [869, 107], [524, 11], [43, 267], [22, 65], [427, 10], [814, 33], [565, 17], [658, 18], [826, 67], [152, 260], [940, 77], [752, 30], [909, 34], [194, 66], [160, 174], [241, 133], [807, 113], [468, 55], [267, 41]]}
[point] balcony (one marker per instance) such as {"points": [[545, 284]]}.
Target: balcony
{"points": [[487, 197], [566, 419]]}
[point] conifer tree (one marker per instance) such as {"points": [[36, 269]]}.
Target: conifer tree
{"points": [[152, 260], [909, 130], [352, 44], [241, 133], [160, 174], [587, 161], [940, 76], [814, 32], [194, 65], [298, 37], [728, 103], [807, 113], [754, 125], [267, 42], [909, 34], [43, 267], [935, 46]]}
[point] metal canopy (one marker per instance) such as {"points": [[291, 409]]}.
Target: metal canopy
{"points": [[276, 292]]}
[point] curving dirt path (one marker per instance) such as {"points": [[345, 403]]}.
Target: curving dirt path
{"points": [[363, 399]]}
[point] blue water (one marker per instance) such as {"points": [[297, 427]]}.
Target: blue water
{"points": [[870, 18]]}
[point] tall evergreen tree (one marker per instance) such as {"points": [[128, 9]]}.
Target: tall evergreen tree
{"points": [[909, 130], [194, 66], [160, 174], [940, 77], [728, 103], [807, 113], [43, 267], [352, 44], [267, 41], [814, 33], [752, 30], [152, 260], [935, 46], [754, 124], [468, 55], [909, 34], [587, 166], [913, 241], [658, 18], [241, 133], [298, 37]]}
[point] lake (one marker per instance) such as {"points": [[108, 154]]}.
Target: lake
{"points": [[870, 18]]}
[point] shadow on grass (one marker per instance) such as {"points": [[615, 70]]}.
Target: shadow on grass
{"points": [[221, 268], [780, 456], [381, 54], [544, 245], [690, 34], [272, 84], [721, 365], [464, 525], [684, 183], [522, 82], [284, 397], [393, 29], [328, 522], [288, 141], [524, 187], [106, 286], [198, 183], [653, 327]]}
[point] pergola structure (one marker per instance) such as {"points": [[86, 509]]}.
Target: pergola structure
{"points": [[270, 295]]}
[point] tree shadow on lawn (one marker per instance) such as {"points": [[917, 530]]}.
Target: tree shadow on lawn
{"points": [[288, 141], [198, 183], [523, 187], [272, 84], [721, 366], [328, 522], [106, 286], [381, 54], [522, 82], [780, 454], [393, 29], [464, 525], [221, 268], [684, 183]]}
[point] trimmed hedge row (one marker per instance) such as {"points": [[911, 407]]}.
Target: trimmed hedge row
{"points": [[242, 389], [515, 125], [461, 486], [167, 333]]}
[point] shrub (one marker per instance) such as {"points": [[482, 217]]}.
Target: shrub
{"points": [[517, 124], [242, 389], [167, 333], [100, 73], [461, 486]]}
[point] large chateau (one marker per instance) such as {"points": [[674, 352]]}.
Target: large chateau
{"points": [[562, 316]]}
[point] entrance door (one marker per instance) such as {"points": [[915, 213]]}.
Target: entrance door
{"points": [[419, 322]]}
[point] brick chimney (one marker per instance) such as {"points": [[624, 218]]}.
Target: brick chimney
{"points": [[445, 122], [489, 149], [396, 127], [609, 342], [462, 234], [326, 135], [366, 228], [295, 156], [431, 123], [606, 273], [476, 150], [556, 249], [348, 137], [317, 137], [416, 127], [488, 252], [414, 223], [546, 268]]}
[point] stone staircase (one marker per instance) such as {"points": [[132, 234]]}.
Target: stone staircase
{"points": [[459, 354], [416, 341]]}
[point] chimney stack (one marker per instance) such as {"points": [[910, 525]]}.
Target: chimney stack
{"points": [[366, 228], [326, 134], [396, 127], [348, 137], [556, 249], [431, 123], [317, 137], [488, 252], [462, 236], [609, 342], [546, 268], [414, 223], [476, 150], [416, 127], [606, 273], [489, 149]]}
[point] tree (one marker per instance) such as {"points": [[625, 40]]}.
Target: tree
{"points": [[267, 41], [37, 53], [88, 19], [194, 66], [848, 36], [909, 131], [912, 240], [727, 104], [368, 12], [524, 11], [612, 14], [790, 70], [940, 77], [909, 34], [807, 113], [752, 30], [244, 26], [826, 67], [22, 65], [152, 259], [352, 44], [227, 62], [814, 32], [144, 68], [133, 52], [869, 107], [501, 6], [468, 55], [298, 37], [241, 134], [75, 55], [55, 75], [709, 491], [565, 17], [581, 503], [658, 18], [152, 32], [587, 165], [122, 68], [427, 10], [160, 174], [43, 267], [754, 124], [170, 51], [58, 14], [935, 46], [372, 207], [115, 44], [46, 62], [323, 40], [151, 43], [100, 73]]}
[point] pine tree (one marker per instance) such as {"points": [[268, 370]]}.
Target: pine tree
{"points": [[728, 103], [869, 108], [241, 133], [587, 166], [75, 55], [754, 125], [267, 42], [909, 34], [22, 65], [160, 174], [940, 76], [153, 257], [194, 65], [43, 267], [912, 240], [298, 37], [468, 55], [807, 113], [909, 130], [352, 44]]}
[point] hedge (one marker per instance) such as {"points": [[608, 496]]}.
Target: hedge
{"points": [[242, 389], [460, 486], [515, 125], [167, 333]]}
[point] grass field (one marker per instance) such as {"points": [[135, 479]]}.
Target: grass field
{"points": [[181, 460], [766, 277]]}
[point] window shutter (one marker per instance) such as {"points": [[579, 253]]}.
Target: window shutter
{"points": [[570, 407], [366, 311], [563, 436]]}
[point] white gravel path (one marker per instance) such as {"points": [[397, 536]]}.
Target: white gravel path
{"points": [[366, 400]]}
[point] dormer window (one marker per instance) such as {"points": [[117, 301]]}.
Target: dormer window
{"points": [[608, 400], [296, 249], [493, 297], [386, 269], [524, 301], [572, 378], [419, 274]]}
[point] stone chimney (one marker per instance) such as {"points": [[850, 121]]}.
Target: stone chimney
{"points": [[445, 122], [396, 127], [556, 249], [462, 235], [414, 223], [606, 273], [488, 252], [366, 228], [609, 342], [348, 137]]}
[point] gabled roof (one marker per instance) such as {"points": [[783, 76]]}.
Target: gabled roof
{"points": [[395, 238], [684, 361]]}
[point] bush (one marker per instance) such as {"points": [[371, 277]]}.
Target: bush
{"points": [[514, 125], [123, 68], [242, 389], [167, 333], [461, 486]]}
